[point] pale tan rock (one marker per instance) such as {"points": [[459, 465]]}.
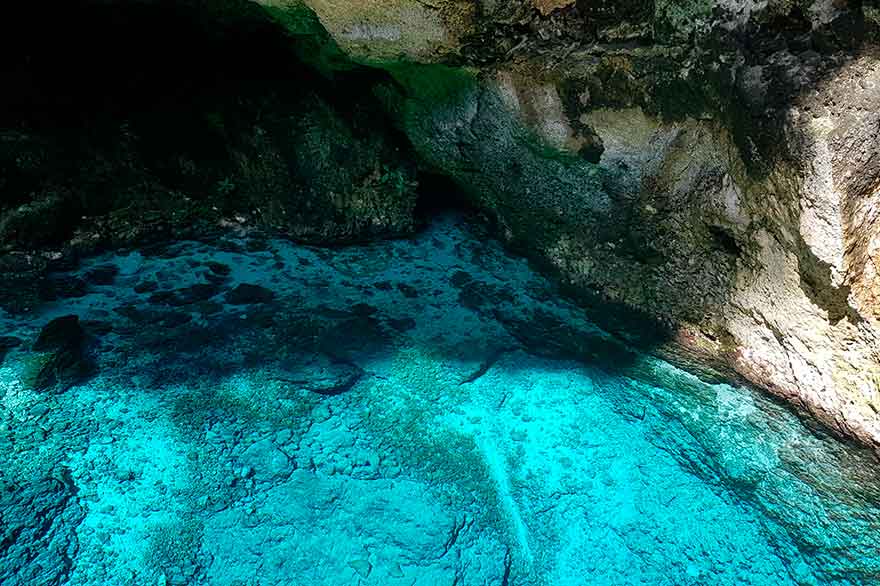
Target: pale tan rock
{"points": [[383, 30], [548, 6]]}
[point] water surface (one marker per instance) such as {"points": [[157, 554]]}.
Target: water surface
{"points": [[409, 412]]}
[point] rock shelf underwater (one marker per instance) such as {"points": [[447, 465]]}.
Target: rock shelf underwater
{"points": [[249, 411]]}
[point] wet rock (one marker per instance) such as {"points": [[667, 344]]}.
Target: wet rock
{"points": [[146, 287], [249, 294], [402, 325], [7, 343], [319, 373], [38, 523], [361, 567], [364, 309], [208, 307], [97, 327], [102, 275], [408, 290], [266, 461], [62, 287], [186, 296], [60, 359], [59, 333], [218, 268]]}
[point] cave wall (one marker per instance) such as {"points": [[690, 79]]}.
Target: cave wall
{"points": [[702, 176], [708, 165], [220, 119]]}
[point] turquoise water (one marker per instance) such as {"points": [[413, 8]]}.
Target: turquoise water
{"points": [[404, 413]]}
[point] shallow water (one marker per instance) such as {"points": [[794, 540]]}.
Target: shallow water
{"points": [[411, 412]]}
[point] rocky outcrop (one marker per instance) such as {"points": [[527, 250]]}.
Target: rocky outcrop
{"points": [[60, 359], [221, 123], [711, 165]]}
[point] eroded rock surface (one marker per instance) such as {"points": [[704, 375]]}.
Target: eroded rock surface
{"points": [[710, 164]]}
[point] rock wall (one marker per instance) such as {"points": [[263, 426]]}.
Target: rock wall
{"points": [[122, 141], [709, 165]]}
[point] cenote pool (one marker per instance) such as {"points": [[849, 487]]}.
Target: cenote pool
{"points": [[413, 412]]}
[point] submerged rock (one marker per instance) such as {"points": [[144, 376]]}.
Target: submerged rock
{"points": [[249, 294], [7, 343], [38, 524], [319, 373], [60, 358], [506, 439], [102, 275]]}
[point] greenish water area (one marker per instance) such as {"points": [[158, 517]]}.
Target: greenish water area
{"points": [[414, 412]]}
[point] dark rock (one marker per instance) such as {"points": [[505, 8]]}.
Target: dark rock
{"points": [[60, 332], [98, 327], [320, 373], [38, 523], [6, 344], [215, 279], [196, 293], [173, 319], [408, 290], [261, 317], [352, 339], [363, 309], [9, 342], [164, 319], [402, 325], [248, 294], [230, 246], [60, 358], [256, 245], [146, 287], [102, 275], [218, 268], [477, 294], [460, 279], [208, 307], [62, 287], [186, 296], [161, 298]]}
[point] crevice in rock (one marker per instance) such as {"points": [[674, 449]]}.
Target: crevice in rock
{"points": [[725, 240], [816, 284]]}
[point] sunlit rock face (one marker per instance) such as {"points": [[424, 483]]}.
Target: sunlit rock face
{"points": [[652, 157]]}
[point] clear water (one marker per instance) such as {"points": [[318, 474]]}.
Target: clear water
{"points": [[483, 433]]}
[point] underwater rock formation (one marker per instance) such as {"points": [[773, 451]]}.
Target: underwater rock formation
{"points": [[309, 439], [60, 358]]}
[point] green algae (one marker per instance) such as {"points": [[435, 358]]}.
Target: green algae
{"points": [[314, 45]]}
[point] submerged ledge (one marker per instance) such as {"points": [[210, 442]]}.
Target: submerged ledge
{"points": [[416, 410]]}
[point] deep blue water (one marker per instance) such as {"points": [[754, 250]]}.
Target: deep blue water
{"points": [[404, 413]]}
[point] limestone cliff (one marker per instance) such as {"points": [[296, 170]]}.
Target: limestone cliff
{"points": [[712, 165]]}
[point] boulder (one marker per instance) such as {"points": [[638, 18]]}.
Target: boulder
{"points": [[60, 357]]}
